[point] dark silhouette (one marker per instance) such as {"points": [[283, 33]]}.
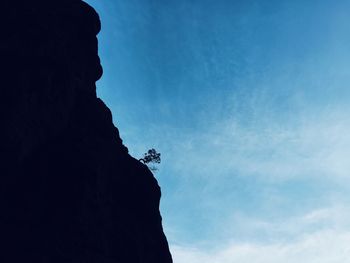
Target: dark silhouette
{"points": [[151, 157], [69, 190]]}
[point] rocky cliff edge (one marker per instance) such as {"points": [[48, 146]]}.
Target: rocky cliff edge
{"points": [[69, 190]]}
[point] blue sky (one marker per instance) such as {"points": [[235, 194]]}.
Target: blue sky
{"points": [[248, 102]]}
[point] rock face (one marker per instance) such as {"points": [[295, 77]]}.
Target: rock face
{"points": [[69, 190]]}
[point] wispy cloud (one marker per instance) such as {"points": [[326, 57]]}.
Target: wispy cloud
{"points": [[323, 245], [315, 146], [236, 181]]}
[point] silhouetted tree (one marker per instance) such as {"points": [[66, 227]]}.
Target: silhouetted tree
{"points": [[151, 157]]}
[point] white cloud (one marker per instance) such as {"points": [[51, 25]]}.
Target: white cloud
{"points": [[323, 245], [316, 146]]}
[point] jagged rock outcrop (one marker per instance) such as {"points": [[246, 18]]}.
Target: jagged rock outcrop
{"points": [[69, 190]]}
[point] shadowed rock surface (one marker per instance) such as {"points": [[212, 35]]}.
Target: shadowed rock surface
{"points": [[69, 190]]}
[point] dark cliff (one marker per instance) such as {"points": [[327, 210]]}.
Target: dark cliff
{"points": [[69, 190]]}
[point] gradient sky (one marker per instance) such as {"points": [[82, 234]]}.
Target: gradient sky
{"points": [[248, 102]]}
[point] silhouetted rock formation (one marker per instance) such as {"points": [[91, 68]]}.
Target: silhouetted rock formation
{"points": [[69, 191]]}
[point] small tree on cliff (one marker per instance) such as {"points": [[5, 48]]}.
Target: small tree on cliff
{"points": [[150, 158]]}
